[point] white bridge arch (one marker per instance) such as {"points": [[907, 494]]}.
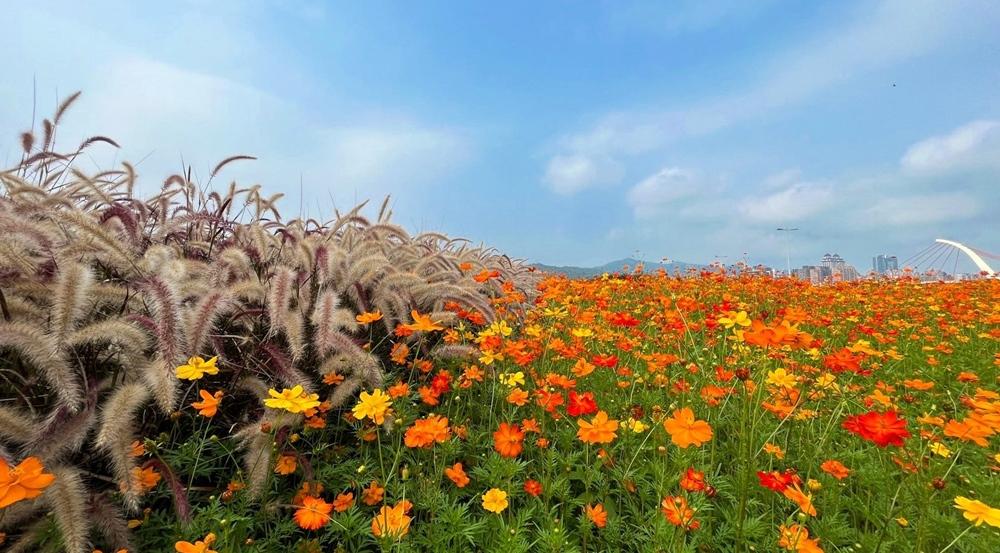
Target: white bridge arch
{"points": [[940, 260], [975, 257]]}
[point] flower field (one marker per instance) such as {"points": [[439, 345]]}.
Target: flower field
{"points": [[648, 413], [190, 372]]}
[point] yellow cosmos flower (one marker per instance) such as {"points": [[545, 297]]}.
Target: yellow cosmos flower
{"points": [[733, 318], [939, 448], [373, 406], [533, 330], [501, 328], [978, 512], [636, 426], [196, 368], [489, 356], [582, 332], [495, 500], [295, 400], [781, 379], [512, 379]]}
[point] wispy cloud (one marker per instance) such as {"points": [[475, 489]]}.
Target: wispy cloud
{"points": [[974, 143], [878, 35], [662, 190]]}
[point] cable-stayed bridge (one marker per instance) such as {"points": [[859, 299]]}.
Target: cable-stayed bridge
{"points": [[941, 259]]}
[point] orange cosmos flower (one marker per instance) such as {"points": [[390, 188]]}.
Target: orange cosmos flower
{"points": [[582, 368], [426, 432], [796, 538], [917, 384], [835, 469], [24, 481], [343, 502], [286, 465], [332, 378], [685, 430], [308, 489], [373, 494], [313, 514], [369, 317], [517, 397], [456, 473], [209, 404], [600, 429], [597, 515], [678, 513], [531, 425], [399, 390], [200, 546], [775, 450], [795, 493], [145, 478], [400, 351], [392, 522], [508, 440], [422, 323]]}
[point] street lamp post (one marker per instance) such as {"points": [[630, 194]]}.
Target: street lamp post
{"points": [[788, 249]]}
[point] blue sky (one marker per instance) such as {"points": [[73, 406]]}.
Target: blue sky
{"points": [[562, 132]]}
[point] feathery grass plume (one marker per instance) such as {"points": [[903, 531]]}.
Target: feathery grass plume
{"points": [[165, 308], [202, 319], [293, 323], [118, 332], [30, 535], [282, 369], [281, 292], [61, 434], [232, 265], [345, 391], [116, 433], [109, 521], [117, 253], [159, 378], [68, 302], [16, 425], [454, 351], [67, 497], [41, 351]]}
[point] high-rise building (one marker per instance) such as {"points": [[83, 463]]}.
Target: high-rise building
{"points": [[885, 264], [839, 269]]}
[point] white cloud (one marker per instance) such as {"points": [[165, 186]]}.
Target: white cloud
{"points": [[401, 153], [795, 203], [972, 143], [658, 192], [568, 174], [922, 209]]}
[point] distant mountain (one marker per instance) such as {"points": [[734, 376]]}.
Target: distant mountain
{"points": [[616, 266]]}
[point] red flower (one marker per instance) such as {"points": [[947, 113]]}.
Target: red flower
{"points": [[778, 481], [607, 361], [533, 488], [441, 383], [882, 429], [693, 480], [581, 404]]}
